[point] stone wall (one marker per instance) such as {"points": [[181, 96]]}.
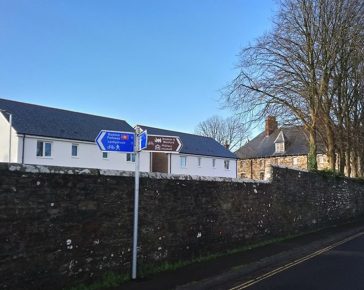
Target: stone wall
{"points": [[60, 227]]}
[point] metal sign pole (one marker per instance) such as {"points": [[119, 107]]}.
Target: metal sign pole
{"points": [[128, 142], [136, 206]]}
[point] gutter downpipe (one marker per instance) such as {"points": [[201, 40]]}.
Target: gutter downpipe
{"points": [[10, 127], [236, 168], [23, 150], [251, 168]]}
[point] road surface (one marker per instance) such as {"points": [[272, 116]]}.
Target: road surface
{"points": [[338, 266]]}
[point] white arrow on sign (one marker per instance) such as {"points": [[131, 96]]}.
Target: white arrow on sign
{"points": [[161, 143], [179, 144], [99, 140]]}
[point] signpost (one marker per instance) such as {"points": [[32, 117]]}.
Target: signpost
{"points": [[168, 144], [127, 142], [143, 140], [112, 141]]}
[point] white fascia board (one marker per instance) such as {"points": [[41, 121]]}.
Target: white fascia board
{"points": [[206, 156]]}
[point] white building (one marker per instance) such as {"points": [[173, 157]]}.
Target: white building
{"points": [[48, 136], [199, 155]]}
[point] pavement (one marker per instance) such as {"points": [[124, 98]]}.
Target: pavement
{"points": [[296, 263]]}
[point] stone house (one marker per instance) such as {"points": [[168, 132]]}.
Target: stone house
{"points": [[285, 146]]}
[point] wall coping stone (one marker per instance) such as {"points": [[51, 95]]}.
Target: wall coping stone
{"points": [[46, 169], [290, 168]]}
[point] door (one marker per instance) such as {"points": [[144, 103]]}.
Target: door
{"points": [[159, 162]]}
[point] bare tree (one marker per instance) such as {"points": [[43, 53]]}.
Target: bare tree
{"points": [[229, 132], [289, 71]]}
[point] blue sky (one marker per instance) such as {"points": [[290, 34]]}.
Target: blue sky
{"points": [[157, 63]]}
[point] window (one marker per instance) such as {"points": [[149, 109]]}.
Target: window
{"points": [[214, 163], [280, 147], [242, 165], [227, 164], [130, 157], [183, 161], [105, 155], [199, 161], [261, 176], [44, 149], [321, 159], [261, 163], [74, 150], [295, 161]]}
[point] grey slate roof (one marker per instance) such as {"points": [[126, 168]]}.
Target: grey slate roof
{"points": [[195, 144], [296, 143], [50, 122]]}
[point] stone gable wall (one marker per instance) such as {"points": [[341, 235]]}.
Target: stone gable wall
{"points": [[61, 226]]}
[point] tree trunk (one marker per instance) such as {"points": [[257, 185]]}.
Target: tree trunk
{"points": [[361, 165], [331, 147], [340, 147], [348, 161], [354, 164], [312, 151], [341, 160]]}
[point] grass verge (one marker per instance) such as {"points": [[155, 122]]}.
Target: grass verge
{"points": [[110, 279]]}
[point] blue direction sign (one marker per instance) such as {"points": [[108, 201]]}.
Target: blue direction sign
{"points": [[143, 139], [112, 141]]}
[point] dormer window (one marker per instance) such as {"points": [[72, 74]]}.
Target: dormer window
{"points": [[280, 143], [280, 147]]}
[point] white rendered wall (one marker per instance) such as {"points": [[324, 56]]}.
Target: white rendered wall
{"points": [[206, 168], [89, 156], [4, 141]]}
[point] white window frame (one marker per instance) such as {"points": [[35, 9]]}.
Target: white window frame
{"points": [[183, 161], [43, 153], [72, 146], [227, 164], [130, 157], [280, 147], [295, 161]]}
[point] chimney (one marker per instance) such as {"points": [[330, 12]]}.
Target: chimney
{"points": [[270, 125], [227, 145]]}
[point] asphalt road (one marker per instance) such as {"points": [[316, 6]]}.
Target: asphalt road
{"points": [[338, 266]]}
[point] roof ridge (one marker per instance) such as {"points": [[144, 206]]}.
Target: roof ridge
{"points": [[178, 132], [291, 127], [59, 109]]}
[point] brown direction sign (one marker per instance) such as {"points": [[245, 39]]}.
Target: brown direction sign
{"points": [[160, 143]]}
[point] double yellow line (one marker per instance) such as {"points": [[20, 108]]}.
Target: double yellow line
{"points": [[294, 263]]}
